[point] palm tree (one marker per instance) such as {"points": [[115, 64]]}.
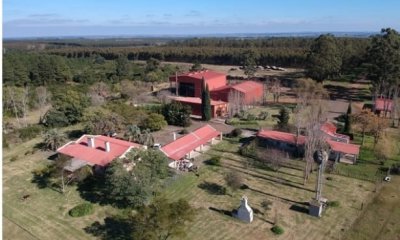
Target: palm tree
{"points": [[133, 133], [146, 138], [53, 139]]}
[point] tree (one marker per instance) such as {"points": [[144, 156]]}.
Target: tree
{"points": [[121, 66], [177, 114], [347, 120], [43, 97], [249, 64], [152, 64], [146, 138], [133, 133], [154, 122], [196, 67], [205, 103], [324, 58], [162, 220], [386, 148], [283, 119], [363, 123], [102, 122], [234, 180], [383, 65], [53, 139], [378, 126]]}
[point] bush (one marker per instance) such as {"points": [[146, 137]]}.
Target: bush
{"points": [[154, 122], [278, 230], [262, 115], [13, 159], [251, 117], [236, 132], [329, 178], [30, 132], [184, 131], [215, 161], [234, 180], [81, 210], [333, 204]]}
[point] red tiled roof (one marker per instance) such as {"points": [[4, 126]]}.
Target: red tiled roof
{"points": [[97, 155], [196, 100], [383, 104], [282, 136], [207, 74], [178, 149], [344, 147]]}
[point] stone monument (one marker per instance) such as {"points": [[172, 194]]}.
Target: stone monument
{"points": [[244, 212]]}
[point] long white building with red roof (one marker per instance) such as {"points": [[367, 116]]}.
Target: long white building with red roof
{"points": [[96, 150]]}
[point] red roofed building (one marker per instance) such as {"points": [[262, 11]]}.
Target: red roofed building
{"points": [[249, 92], [341, 149], [97, 150], [218, 108], [190, 84], [184, 147], [383, 105]]}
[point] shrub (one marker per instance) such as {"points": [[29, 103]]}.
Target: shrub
{"points": [[234, 180], [13, 159], [215, 161], [278, 230], [262, 115], [154, 122], [236, 132], [251, 117], [329, 178], [333, 204], [81, 210], [184, 131], [30, 132]]}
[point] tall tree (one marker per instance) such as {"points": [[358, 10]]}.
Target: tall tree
{"points": [[249, 64], [383, 62], [283, 119], [324, 58], [347, 120], [363, 123], [205, 103], [121, 66]]}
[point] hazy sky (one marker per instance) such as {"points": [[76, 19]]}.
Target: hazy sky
{"points": [[27, 18]]}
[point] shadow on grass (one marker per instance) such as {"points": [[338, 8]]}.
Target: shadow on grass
{"points": [[213, 188], [92, 189], [223, 211], [73, 134], [301, 209], [113, 228], [281, 198]]}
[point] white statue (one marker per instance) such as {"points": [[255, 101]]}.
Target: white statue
{"points": [[245, 213]]}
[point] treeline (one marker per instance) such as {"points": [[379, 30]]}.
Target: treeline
{"points": [[285, 52]]}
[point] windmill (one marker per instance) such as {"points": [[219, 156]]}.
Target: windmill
{"points": [[317, 203]]}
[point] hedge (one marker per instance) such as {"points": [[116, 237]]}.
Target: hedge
{"points": [[81, 210]]}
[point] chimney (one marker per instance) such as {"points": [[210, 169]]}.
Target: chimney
{"points": [[107, 146], [174, 134], [91, 142]]}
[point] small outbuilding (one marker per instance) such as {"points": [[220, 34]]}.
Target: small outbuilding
{"points": [[218, 108]]}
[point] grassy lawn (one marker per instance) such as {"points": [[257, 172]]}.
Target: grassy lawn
{"points": [[44, 215], [284, 189], [380, 220]]}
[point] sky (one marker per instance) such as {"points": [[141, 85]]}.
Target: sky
{"points": [[44, 18]]}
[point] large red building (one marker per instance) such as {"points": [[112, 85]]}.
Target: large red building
{"points": [[190, 84]]}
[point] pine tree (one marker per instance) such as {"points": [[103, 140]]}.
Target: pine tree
{"points": [[347, 120], [205, 103], [283, 118]]}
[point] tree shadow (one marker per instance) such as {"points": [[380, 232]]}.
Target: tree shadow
{"points": [[213, 188], [92, 190], [301, 209], [73, 134], [113, 228]]}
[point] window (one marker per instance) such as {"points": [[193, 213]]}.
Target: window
{"points": [[186, 89]]}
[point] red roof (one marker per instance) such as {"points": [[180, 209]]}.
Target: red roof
{"points": [[196, 100], [178, 149], [97, 154], [383, 104], [329, 128], [246, 86], [344, 147], [207, 74], [282, 136]]}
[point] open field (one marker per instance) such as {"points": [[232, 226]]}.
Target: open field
{"points": [[284, 189]]}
